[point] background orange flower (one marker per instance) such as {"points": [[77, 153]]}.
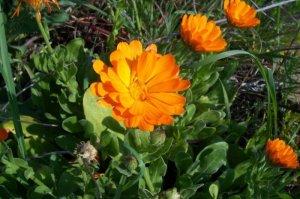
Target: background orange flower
{"points": [[37, 5], [3, 134], [141, 86], [202, 35], [240, 14], [282, 154]]}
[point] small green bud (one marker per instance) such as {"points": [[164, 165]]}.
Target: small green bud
{"points": [[170, 194], [157, 138], [130, 162], [135, 139]]}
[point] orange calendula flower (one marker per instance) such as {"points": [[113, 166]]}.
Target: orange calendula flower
{"points": [[240, 14], [3, 134], [202, 35], [282, 154], [37, 5], [141, 86]]}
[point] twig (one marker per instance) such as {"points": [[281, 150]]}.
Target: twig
{"points": [[38, 123], [4, 108], [52, 153]]}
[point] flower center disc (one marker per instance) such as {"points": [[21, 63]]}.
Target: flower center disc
{"points": [[138, 90]]}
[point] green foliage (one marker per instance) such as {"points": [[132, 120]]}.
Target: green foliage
{"points": [[76, 149]]}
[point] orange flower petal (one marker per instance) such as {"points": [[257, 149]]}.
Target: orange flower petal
{"points": [[151, 47], [240, 14], [202, 35], [124, 72], [164, 68], [169, 98], [98, 66], [282, 154], [145, 64], [97, 89], [173, 85], [116, 81]]}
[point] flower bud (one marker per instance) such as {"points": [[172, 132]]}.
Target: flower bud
{"points": [[170, 194], [130, 162], [157, 138]]}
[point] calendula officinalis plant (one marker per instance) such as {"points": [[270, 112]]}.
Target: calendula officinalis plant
{"points": [[149, 99]]}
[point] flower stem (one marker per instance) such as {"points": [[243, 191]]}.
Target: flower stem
{"points": [[43, 32], [148, 180], [10, 86], [120, 187]]}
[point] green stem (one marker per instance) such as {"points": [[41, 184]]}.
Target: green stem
{"points": [[148, 180], [43, 32], [120, 187], [10, 86], [90, 172], [138, 22]]}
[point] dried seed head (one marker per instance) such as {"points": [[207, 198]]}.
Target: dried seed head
{"points": [[87, 152]]}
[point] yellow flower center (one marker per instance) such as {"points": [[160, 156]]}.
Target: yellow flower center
{"points": [[138, 90]]}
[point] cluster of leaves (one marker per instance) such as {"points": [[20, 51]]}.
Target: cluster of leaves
{"points": [[205, 154]]}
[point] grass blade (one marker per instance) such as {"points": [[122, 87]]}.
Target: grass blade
{"points": [[267, 76], [8, 78]]}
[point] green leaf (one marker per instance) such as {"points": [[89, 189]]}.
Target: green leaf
{"points": [[211, 116], [71, 125], [183, 161], [190, 112], [157, 171], [75, 48], [94, 113], [113, 148], [29, 173], [139, 140], [210, 159], [206, 133], [67, 142], [57, 18], [42, 189], [284, 196], [69, 182], [214, 191], [149, 157], [10, 167], [187, 186], [113, 125]]}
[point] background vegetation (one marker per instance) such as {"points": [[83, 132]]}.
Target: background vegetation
{"points": [[238, 100]]}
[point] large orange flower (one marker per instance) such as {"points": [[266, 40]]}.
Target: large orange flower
{"points": [[141, 86], [240, 14], [282, 154], [37, 5], [202, 35], [3, 134]]}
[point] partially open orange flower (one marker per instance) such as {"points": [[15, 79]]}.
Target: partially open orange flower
{"points": [[240, 14], [282, 154], [202, 35], [37, 5], [3, 134], [141, 86]]}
